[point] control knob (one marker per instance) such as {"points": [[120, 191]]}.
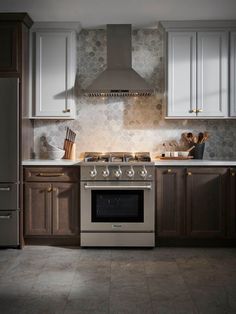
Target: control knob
{"points": [[130, 172], [143, 172], [93, 172], [106, 172], [117, 173]]}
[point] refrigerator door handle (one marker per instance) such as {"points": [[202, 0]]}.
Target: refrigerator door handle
{"points": [[5, 189], [8, 216]]}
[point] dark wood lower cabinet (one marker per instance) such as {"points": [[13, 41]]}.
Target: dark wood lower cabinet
{"points": [[65, 209], [195, 206], [51, 208], [38, 209], [206, 203], [170, 202], [232, 204]]}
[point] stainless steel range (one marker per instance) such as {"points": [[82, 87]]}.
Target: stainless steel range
{"points": [[117, 200]]}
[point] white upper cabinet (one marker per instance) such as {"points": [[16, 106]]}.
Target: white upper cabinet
{"points": [[233, 74], [212, 74], [197, 63], [53, 70], [181, 74]]}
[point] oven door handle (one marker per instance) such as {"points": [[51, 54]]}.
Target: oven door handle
{"points": [[117, 187]]}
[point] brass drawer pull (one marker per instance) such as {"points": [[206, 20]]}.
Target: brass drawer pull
{"points": [[189, 173], [169, 170], [52, 174], [66, 110], [49, 189], [193, 110], [233, 174], [199, 110]]}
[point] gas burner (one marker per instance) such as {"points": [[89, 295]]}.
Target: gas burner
{"points": [[117, 157]]}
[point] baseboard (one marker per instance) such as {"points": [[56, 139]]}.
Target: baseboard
{"points": [[195, 242], [54, 241]]}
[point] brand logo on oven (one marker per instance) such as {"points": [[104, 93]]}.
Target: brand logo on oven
{"points": [[116, 226]]}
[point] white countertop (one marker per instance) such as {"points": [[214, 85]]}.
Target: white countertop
{"points": [[50, 162], [186, 163], [195, 162]]}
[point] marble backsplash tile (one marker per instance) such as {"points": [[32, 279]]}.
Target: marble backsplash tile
{"points": [[129, 123]]}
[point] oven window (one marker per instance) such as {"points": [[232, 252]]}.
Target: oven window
{"points": [[117, 206]]}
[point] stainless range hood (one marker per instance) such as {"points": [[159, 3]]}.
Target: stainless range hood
{"points": [[119, 79]]}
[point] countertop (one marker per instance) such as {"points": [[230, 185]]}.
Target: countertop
{"points": [[195, 162], [184, 163], [50, 162]]}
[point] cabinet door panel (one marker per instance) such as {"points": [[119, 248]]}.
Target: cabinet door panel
{"points": [[212, 74], [233, 74], [9, 129], [206, 202], [54, 79], [9, 47], [170, 202], [65, 209], [181, 74], [37, 209], [232, 204]]}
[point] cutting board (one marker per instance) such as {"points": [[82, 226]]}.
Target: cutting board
{"points": [[176, 158]]}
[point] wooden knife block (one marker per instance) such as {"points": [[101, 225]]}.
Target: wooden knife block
{"points": [[70, 150]]}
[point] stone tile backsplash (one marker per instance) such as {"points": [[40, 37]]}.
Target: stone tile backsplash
{"points": [[128, 123]]}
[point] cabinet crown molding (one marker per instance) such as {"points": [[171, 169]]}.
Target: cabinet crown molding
{"points": [[71, 26], [22, 17], [198, 24]]}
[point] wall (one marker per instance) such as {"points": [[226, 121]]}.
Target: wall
{"points": [[130, 124]]}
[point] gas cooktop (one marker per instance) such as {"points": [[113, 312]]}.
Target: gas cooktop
{"points": [[117, 157]]}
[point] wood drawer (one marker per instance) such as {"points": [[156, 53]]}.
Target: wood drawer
{"points": [[52, 174]]}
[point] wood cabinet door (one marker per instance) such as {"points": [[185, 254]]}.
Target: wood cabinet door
{"points": [[170, 202], [9, 41], [65, 209], [233, 74], [206, 202], [212, 74], [181, 74], [232, 204], [37, 209]]}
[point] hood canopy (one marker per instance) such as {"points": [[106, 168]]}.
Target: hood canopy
{"points": [[119, 79]]}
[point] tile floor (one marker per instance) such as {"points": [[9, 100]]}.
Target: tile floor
{"points": [[48, 280]]}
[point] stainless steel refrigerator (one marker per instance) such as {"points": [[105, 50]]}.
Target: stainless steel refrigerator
{"points": [[9, 162]]}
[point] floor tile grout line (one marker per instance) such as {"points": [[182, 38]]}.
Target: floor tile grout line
{"points": [[188, 288], [148, 288], [109, 297], [69, 291], [224, 287]]}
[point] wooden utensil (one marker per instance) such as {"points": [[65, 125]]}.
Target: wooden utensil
{"points": [[69, 144], [200, 137]]}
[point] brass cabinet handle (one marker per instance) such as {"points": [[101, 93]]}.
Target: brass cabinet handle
{"points": [[233, 174], [189, 173], [199, 110], [66, 110], [49, 189], [52, 174], [169, 170], [193, 110]]}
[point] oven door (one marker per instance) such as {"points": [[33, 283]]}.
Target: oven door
{"points": [[117, 206]]}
